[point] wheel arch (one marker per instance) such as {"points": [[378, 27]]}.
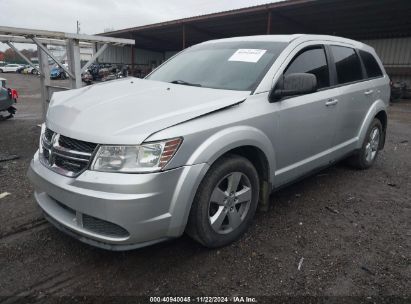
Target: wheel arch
{"points": [[377, 110], [383, 118], [246, 141]]}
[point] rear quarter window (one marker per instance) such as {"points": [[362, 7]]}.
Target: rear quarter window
{"points": [[347, 63], [371, 65]]}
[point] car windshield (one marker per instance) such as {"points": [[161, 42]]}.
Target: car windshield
{"points": [[221, 65]]}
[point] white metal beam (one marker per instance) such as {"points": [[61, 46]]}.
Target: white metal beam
{"points": [[20, 39], [6, 30], [44, 79], [95, 56], [73, 58]]}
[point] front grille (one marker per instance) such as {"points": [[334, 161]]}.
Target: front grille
{"points": [[69, 165], [78, 145], [65, 155], [103, 227]]}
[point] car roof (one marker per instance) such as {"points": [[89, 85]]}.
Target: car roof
{"points": [[291, 38]]}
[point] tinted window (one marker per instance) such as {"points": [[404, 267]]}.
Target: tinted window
{"points": [[347, 63], [371, 65], [221, 65], [312, 61]]}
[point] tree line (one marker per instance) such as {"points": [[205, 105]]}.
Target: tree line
{"points": [[10, 56]]}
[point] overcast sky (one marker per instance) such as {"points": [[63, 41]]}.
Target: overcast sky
{"points": [[95, 16]]}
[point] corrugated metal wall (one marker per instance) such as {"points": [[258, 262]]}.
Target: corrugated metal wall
{"points": [[394, 51], [169, 54], [395, 54]]}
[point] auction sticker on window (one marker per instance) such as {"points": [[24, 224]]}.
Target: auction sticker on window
{"points": [[247, 55]]}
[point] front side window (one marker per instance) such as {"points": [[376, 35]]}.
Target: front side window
{"points": [[371, 65], [222, 65], [347, 63], [312, 61]]}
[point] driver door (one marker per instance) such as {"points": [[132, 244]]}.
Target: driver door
{"points": [[305, 125]]}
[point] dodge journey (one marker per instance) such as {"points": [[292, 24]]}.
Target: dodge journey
{"points": [[204, 139]]}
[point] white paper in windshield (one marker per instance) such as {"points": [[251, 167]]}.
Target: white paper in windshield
{"points": [[247, 55]]}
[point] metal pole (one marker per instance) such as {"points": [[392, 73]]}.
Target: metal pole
{"points": [[132, 60], [184, 36], [73, 56], [269, 23], [44, 79]]}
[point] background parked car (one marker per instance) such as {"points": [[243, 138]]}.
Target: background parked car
{"points": [[10, 68], [21, 68], [58, 73], [31, 70]]}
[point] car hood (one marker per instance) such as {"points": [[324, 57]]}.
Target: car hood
{"points": [[129, 110]]}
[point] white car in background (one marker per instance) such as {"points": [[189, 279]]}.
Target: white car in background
{"points": [[9, 68], [31, 70]]}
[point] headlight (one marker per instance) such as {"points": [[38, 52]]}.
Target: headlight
{"points": [[148, 157]]}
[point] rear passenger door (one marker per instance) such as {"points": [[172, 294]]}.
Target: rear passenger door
{"points": [[355, 96]]}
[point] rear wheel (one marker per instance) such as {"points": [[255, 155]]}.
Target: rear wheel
{"points": [[1, 71], [366, 157], [225, 202]]}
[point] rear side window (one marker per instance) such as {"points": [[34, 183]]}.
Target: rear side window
{"points": [[312, 61], [347, 63], [371, 65]]}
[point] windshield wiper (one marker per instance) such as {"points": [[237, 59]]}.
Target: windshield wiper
{"points": [[185, 83]]}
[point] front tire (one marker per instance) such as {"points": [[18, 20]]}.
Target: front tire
{"points": [[225, 202], [368, 153]]}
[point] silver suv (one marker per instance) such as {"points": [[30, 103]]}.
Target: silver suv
{"points": [[205, 138]]}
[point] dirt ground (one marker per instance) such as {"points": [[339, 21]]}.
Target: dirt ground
{"points": [[350, 229]]}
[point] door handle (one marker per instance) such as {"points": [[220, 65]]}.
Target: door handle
{"points": [[369, 92], [331, 101]]}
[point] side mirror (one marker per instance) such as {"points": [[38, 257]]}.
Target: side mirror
{"points": [[293, 84]]}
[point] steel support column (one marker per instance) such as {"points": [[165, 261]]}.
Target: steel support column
{"points": [[269, 22], [44, 78], [184, 36], [132, 59], [73, 57]]}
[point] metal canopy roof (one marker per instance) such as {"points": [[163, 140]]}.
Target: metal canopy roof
{"points": [[22, 33], [356, 19]]}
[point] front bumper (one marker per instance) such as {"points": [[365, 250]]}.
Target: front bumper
{"points": [[117, 211]]}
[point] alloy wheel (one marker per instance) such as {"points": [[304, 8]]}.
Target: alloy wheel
{"points": [[371, 147], [230, 202]]}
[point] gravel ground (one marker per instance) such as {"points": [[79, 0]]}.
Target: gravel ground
{"points": [[350, 229]]}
